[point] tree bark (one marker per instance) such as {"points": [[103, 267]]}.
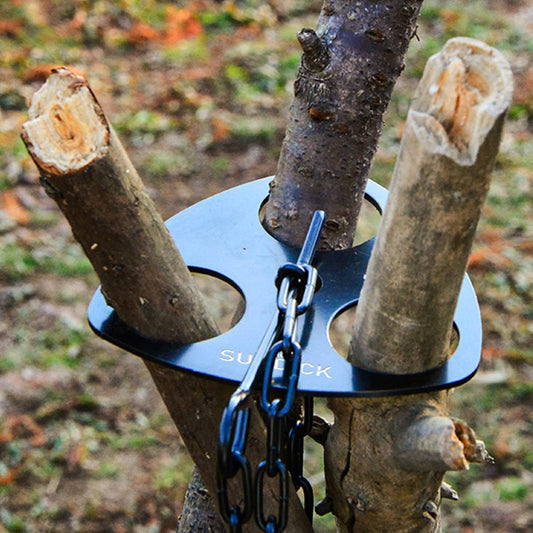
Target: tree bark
{"points": [[199, 512], [344, 83], [86, 171], [441, 178], [391, 478]]}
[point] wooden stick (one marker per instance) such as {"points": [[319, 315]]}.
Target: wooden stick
{"points": [[86, 171], [405, 313], [391, 479]]}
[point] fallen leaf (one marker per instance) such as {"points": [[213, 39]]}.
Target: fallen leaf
{"points": [[78, 21], [9, 477], [489, 256], [523, 91], [12, 206], [220, 129], [526, 246], [478, 257], [42, 72], [492, 352], [140, 33], [180, 24], [501, 446], [76, 455], [493, 236], [25, 421], [11, 27], [449, 17], [39, 72]]}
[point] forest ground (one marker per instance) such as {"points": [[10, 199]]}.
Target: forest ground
{"points": [[198, 92]]}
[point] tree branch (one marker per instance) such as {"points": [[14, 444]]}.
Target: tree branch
{"points": [[86, 171], [441, 178], [405, 312], [348, 69]]}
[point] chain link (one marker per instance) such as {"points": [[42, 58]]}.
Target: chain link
{"points": [[274, 524], [297, 434], [296, 284], [232, 460]]}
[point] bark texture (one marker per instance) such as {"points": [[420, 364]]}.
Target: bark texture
{"points": [[199, 512], [397, 450], [86, 171], [441, 178], [344, 83]]}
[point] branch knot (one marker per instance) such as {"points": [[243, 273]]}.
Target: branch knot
{"points": [[315, 50]]}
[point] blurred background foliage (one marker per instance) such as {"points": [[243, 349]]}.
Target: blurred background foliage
{"points": [[199, 93]]}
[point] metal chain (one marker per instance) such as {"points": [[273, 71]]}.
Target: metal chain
{"points": [[297, 433], [296, 283]]}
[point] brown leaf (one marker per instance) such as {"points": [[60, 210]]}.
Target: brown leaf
{"points": [[180, 24], [26, 422], [501, 447], [12, 206], [523, 91], [43, 71], [490, 254], [76, 455], [141, 33], [11, 27], [220, 129], [449, 17], [489, 352], [9, 477]]}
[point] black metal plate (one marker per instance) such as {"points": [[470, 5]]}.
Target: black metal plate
{"points": [[222, 236]]}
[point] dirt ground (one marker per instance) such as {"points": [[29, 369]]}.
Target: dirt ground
{"points": [[198, 92]]}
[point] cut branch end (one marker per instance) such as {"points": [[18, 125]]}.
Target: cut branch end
{"points": [[432, 444], [63, 133], [316, 55], [463, 91]]}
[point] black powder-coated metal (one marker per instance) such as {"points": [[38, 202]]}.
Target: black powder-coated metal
{"points": [[222, 236]]}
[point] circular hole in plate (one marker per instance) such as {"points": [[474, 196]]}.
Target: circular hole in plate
{"points": [[225, 302], [341, 329], [368, 222], [454, 340]]}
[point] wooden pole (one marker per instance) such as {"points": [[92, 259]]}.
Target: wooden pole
{"points": [[391, 479], [86, 171], [442, 175]]}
